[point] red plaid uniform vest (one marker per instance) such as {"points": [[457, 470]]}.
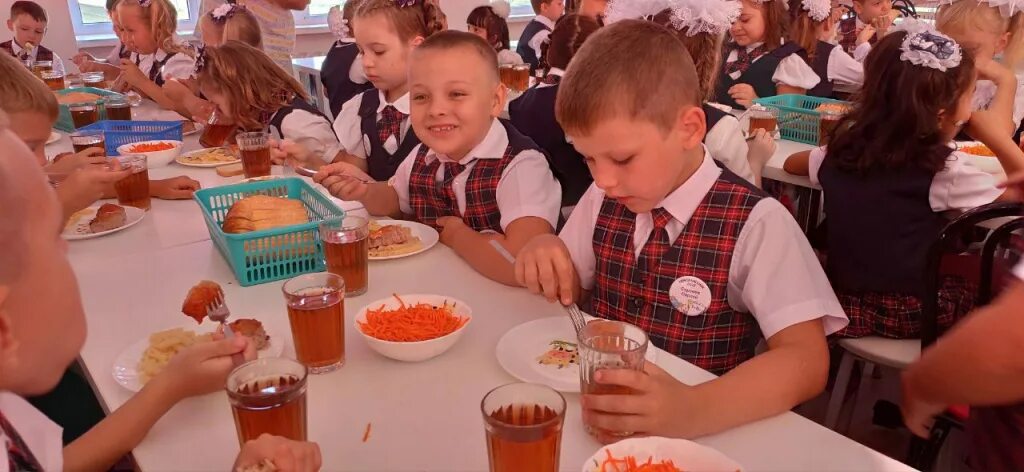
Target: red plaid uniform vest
{"points": [[848, 33], [42, 54], [19, 457], [720, 338], [431, 199]]}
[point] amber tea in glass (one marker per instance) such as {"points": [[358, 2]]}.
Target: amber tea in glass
{"points": [[316, 313], [347, 252], [268, 396], [523, 426], [134, 189]]}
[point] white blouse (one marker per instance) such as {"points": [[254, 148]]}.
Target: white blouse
{"points": [[179, 66], [986, 91], [845, 73], [42, 436], [301, 124], [792, 70], [726, 144]]}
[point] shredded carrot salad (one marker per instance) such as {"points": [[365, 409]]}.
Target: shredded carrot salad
{"points": [[630, 464], [410, 323], [366, 434], [978, 150], [151, 147]]}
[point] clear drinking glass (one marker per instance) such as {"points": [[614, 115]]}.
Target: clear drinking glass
{"points": [[85, 139], [523, 424], [255, 149], [54, 80], [118, 108], [347, 252], [134, 189], [269, 396], [605, 344], [316, 312], [84, 114], [763, 118]]}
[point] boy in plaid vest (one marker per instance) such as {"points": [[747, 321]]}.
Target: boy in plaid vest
{"points": [[474, 177], [702, 261]]}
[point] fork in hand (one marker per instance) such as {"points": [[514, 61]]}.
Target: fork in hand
{"points": [[217, 311]]}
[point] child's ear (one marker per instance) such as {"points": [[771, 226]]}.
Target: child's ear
{"points": [[1004, 40], [417, 41], [692, 126], [8, 345], [10, 25], [500, 94]]}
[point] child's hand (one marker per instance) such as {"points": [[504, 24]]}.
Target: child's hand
{"points": [[175, 188], [743, 94], [202, 368], [659, 404], [918, 414], [285, 454], [289, 153], [866, 34], [340, 181], [760, 150], [131, 73], [450, 227], [884, 22], [994, 71], [81, 58], [67, 163], [85, 186], [545, 267]]}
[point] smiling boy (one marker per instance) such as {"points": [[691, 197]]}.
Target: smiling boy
{"points": [[702, 261], [27, 24]]}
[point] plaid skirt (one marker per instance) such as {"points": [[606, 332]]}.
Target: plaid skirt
{"points": [[899, 316]]}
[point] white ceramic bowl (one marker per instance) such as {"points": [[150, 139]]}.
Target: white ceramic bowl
{"points": [[155, 159], [420, 350], [686, 455]]}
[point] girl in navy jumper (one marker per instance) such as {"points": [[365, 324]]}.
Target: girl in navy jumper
{"points": [[758, 62], [533, 113], [342, 73], [813, 23], [922, 80], [488, 22], [157, 56]]}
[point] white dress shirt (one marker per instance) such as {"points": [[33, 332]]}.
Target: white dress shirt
{"points": [[180, 65], [792, 70], [538, 39], [114, 56], [986, 91], [845, 73], [959, 186], [1019, 270], [301, 124], [42, 436], [58, 64], [725, 143], [349, 125], [527, 186], [774, 274]]}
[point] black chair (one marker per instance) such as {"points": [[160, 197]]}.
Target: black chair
{"points": [[998, 256], [905, 7], [923, 452]]}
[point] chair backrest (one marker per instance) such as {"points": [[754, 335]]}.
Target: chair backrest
{"points": [[950, 241], [1001, 252]]}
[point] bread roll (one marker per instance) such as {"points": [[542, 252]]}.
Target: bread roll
{"points": [[260, 212]]}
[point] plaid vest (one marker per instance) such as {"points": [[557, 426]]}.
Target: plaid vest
{"points": [[42, 54], [381, 165], [720, 338], [19, 456], [848, 33], [431, 199]]}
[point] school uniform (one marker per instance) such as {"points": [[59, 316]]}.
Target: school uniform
{"points": [[837, 71], [877, 257], [504, 178], [342, 74], [31, 440], [714, 268], [38, 53], [162, 66], [726, 143], [533, 114], [301, 120], [763, 69], [536, 33], [370, 128], [986, 91], [849, 30], [118, 52]]}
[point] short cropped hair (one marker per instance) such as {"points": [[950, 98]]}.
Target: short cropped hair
{"points": [[20, 91], [632, 67], [25, 7], [451, 39], [537, 3], [14, 210]]}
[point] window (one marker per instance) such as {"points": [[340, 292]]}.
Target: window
{"points": [[89, 17], [521, 8]]}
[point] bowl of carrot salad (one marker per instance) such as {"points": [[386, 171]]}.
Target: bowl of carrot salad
{"points": [[413, 327], [158, 153], [656, 454]]}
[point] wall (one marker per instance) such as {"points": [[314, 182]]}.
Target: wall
{"points": [[60, 34]]}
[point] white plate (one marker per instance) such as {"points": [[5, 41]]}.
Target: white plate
{"points": [[125, 370], [428, 237], [686, 455], [988, 164], [80, 228], [193, 164], [520, 347], [54, 137]]}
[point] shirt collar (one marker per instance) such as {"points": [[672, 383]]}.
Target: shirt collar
{"points": [[556, 71], [492, 147], [348, 40], [544, 21], [402, 104], [159, 55], [683, 201], [16, 47]]}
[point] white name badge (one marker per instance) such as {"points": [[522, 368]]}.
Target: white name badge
{"points": [[690, 295]]}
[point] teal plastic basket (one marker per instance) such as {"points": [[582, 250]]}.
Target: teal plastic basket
{"points": [[265, 256], [64, 122], [798, 120]]}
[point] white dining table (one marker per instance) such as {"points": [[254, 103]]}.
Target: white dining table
{"points": [[425, 416]]}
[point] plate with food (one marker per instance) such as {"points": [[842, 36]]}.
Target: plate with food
{"points": [[101, 220], [394, 239], [979, 155], [544, 351], [659, 454], [210, 157], [54, 137], [413, 327]]}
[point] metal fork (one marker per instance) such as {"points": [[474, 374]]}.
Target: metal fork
{"points": [[218, 312], [575, 314]]}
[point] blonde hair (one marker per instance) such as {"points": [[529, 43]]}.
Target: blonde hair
{"points": [[705, 51], [254, 83], [645, 74], [163, 23], [242, 26], [422, 19], [803, 30], [966, 15], [348, 12], [20, 91]]}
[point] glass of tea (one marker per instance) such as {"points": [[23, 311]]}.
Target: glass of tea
{"points": [[506, 73], [84, 114], [523, 423], [85, 139], [347, 252], [269, 396], [604, 345], [763, 118], [520, 77], [53, 79], [255, 149], [217, 130], [316, 312], [134, 189], [118, 108], [94, 79], [829, 120], [38, 67], [74, 81]]}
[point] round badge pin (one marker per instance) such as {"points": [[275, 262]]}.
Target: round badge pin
{"points": [[690, 295]]}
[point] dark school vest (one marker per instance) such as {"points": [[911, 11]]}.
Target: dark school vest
{"points": [[758, 75], [380, 163], [523, 48], [334, 75], [42, 54], [297, 103], [820, 67], [155, 73]]}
